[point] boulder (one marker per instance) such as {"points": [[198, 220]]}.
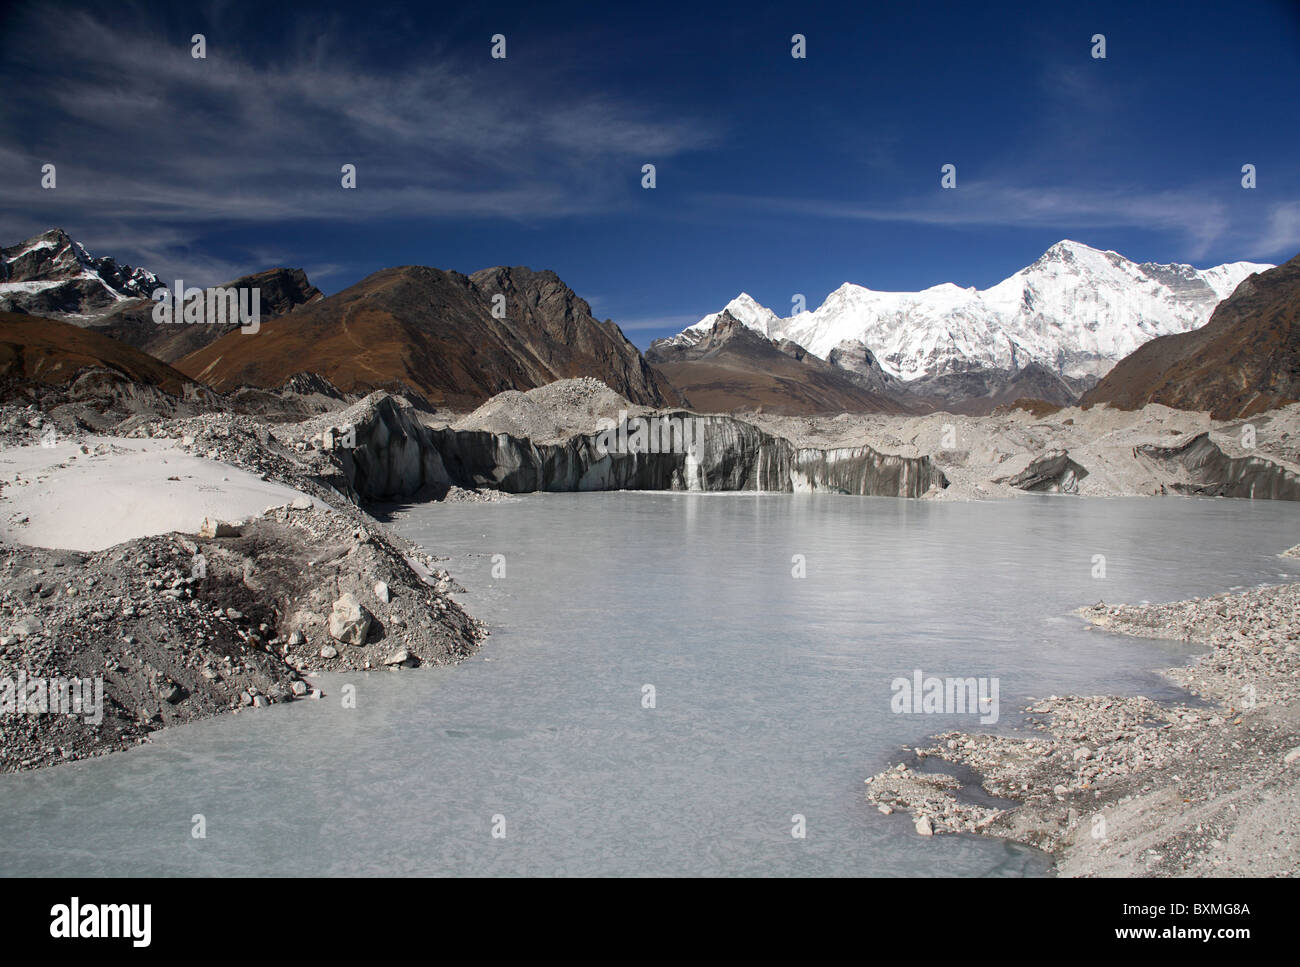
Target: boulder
{"points": [[349, 621], [218, 528]]}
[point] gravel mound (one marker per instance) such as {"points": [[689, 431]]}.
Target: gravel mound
{"points": [[551, 413], [178, 627]]}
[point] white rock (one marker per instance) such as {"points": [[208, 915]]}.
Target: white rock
{"points": [[217, 528], [349, 622], [381, 591], [924, 827], [26, 628]]}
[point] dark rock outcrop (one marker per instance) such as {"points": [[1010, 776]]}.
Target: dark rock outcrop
{"points": [[397, 457], [1209, 472], [1054, 472]]}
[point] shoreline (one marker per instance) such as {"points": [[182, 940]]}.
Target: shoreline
{"points": [[215, 614], [1129, 786]]}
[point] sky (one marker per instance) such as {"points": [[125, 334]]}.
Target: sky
{"points": [[774, 175]]}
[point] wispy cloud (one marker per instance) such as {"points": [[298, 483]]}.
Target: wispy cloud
{"points": [[1203, 219], [145, 136], [1282, 234]]}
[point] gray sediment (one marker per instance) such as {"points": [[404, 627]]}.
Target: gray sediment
{"points": [[1127, 786]]}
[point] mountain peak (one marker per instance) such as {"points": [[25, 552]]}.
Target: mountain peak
{"points": [[53, 274], [1076, 310], [1069, 249]]}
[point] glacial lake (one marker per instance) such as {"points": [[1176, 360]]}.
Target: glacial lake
{"points": [[771, 692]]}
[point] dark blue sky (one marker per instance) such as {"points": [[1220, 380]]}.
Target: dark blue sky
{"points": [[775, 176]]}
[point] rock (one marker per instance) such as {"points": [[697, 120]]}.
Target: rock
{"points": [[218, 528], [170, 692], [349, 621], [1292, 757], [381, 591], [329, 651], [301, 503], [297, 638], [399, 657], [26, 628], [260, 701], [924, 827], [298, 689]]}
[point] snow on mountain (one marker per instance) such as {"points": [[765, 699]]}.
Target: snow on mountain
{"points": [[742, 308], [53, 274], [1076, 310]]}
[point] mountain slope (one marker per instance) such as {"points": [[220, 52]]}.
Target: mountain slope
{"points": [[280, 291], [978, 392], [733, 368], [1246, 359], [54, 352], [434, 331], [52, 274], [1076, 310]]}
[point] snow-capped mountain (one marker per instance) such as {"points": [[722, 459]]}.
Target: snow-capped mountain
{"points": [[53, 274], [1076, 310]]}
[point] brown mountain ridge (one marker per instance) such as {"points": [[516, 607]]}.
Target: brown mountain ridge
{"points": [[435, 331], [1244, 360], [53, 352]]}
